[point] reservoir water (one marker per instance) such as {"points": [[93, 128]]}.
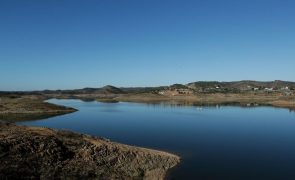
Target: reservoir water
{"points": [[215, 143]]}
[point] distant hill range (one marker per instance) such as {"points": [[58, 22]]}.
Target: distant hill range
{"points": [[242, 85], [199, 86]]}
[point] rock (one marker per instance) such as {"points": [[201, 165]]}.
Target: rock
{"points": [[42, 153]]}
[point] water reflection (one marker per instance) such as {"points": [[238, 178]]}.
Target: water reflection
{"points": [[219, 141]]}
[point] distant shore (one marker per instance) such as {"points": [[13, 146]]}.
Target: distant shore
{"points": [[15, 107], [241, 99]]}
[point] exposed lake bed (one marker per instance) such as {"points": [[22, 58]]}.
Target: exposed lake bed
{"points": [[44, 153], [221, 142]]}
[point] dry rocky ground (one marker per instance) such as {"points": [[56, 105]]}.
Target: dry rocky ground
{"points": [[29, 107], [42, 153]]}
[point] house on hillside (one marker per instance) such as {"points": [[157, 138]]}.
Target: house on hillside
{"points": [[161, 92], [268, 89], [285, 88]]}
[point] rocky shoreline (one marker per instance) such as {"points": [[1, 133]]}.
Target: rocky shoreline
{"points": [[43, 153]]}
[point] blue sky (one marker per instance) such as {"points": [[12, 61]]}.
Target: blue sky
{"points": [[59, 44]]}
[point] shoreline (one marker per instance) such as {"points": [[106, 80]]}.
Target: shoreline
{"points": [[30, 107], [34, 107], [24, 108], [138, 162], [37, 152], [274, 100]]}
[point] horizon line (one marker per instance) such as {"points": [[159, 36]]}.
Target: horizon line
{"points": [[144, 86]]}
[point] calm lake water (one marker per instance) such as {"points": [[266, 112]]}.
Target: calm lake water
{"points": [[214, 143]]}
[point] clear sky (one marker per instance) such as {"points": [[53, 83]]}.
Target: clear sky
{"points": [[65, 44]]}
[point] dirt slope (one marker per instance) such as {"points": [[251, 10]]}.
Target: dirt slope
{"points": [[42, 153]]}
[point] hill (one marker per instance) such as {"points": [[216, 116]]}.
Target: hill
{"points": [[237, 86]]}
